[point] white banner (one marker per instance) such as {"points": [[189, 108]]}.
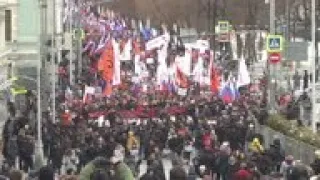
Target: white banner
{"points": [[201, 45], [137, 69], [126, 53], [184, 62], [162, 54], [157, 42], [162, 74], [182, 91], [116, 74], [90, 90], [198, 71], [243, 74], [234, 45]]}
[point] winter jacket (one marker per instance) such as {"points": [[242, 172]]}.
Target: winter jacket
{"points": [[256, 146], [123, 172], [71, 162], [242, 174], [222, 163], [94, 165], [315, 165], [192, 175]]}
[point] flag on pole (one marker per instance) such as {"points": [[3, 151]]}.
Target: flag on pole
{"points": [[243, 74], [214, 79], [106, 66], [227, 94], [87, 92]]}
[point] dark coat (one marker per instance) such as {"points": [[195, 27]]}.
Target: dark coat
{"points": [[315, 165]]}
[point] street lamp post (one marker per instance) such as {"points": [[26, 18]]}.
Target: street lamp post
{"points": [[71, 48], [53, 63], [38, 144], [313, 65], [272, 81]]}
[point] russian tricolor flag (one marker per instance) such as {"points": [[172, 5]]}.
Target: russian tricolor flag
{"points": [[229, 93]]}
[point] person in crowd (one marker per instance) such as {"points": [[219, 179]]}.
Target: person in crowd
{"points": [[70, 162], [99, 165], [56, 156], [26, 149], [132, 141], [315, 165], [178, 173], [121, 170], [222, 161], [299, 171], [243, 173], [276, 154], [192, 175], [255, 146], [287, 165], [296, 81], [17, 175], [46, 173]]}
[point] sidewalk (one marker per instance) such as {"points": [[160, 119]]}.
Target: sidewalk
{"points": [[4, 117]]}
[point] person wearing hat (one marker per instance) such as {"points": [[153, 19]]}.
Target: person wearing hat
{"points": [[286, 165]]}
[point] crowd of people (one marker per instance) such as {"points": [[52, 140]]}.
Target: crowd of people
{"points": [[178, 125]]}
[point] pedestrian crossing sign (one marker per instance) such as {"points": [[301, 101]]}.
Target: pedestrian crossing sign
{"points": [[274, 43], [224, 27]]}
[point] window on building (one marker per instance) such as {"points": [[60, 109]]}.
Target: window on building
{"points": [[8, 25]]}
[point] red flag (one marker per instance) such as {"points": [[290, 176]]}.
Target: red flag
{"points": [[215, 80], [181, 79], [105, 66]]}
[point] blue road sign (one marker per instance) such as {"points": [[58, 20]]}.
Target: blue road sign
{"points": [[274, 43]]}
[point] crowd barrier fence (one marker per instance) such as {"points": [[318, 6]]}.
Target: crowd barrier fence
{"points": [[299, 150]]}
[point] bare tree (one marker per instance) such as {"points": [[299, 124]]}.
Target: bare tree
{"points": [[194, 13]]}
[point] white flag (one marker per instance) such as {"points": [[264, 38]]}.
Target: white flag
{"points": [[243, 73], [117, 71], [234, 47], [126, 53]]}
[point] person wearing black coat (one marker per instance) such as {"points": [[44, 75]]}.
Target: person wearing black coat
{"points": [[56, 156], [26, 149], [192, 175], [176, 144], [46, 173], [315, 165], [178, 173]]}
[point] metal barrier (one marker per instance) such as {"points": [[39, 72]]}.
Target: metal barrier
{"points": [[299, 150]]}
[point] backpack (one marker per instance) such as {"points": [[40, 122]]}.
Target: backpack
{"points": [[100, 174], [291, 173]]}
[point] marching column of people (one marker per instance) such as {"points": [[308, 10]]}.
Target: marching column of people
{"points": [[201, 136], [222, 145]]}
